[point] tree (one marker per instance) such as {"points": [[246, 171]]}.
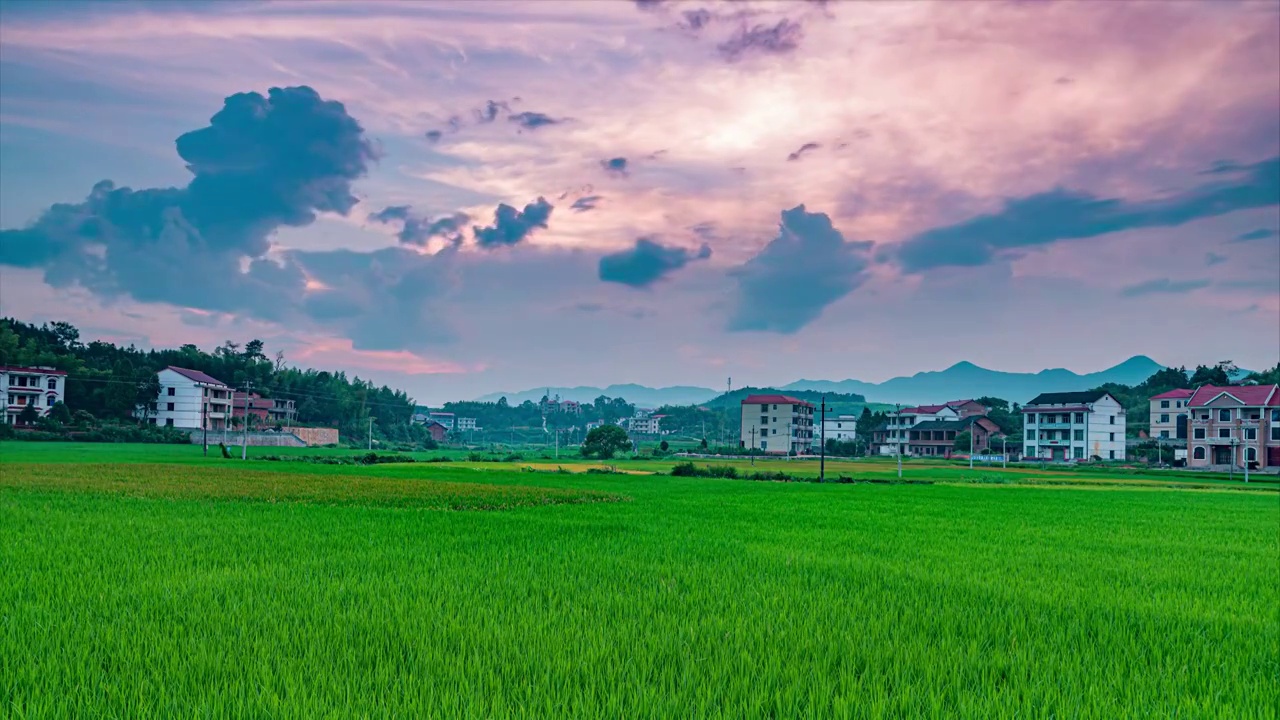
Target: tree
{"points": [[605, 441], [61, 413], [962, 442], [29, 414], [1219, 374], [704, 443], [664, 446], [1266, 377]]}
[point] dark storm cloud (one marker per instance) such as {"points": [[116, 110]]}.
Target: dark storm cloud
{"points": [[616, 167], [417, 230], [808, 266], [1259, 234], [264, 162], [533, 120], [584, 204], [778, 39], [1066, 215], [647, 262], [807, 147], [510, 226], [1163, 286]]}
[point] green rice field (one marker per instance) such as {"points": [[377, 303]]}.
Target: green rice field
{"points": [[150, 581]]}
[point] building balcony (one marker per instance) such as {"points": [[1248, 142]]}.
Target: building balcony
{"points": [[1053, 425]]}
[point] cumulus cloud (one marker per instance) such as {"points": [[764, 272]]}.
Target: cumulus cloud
{"points": [[616, 167], [586, 203], [808, 266], [647, 262], [807, 147], [778, 39], [418, 230], [1259, 234], [510, 226], [1163, 286], [1067, 215], [533, 120]]}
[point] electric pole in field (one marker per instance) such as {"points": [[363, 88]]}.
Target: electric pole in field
{"points": [[822, 443], [244, 436], [204, 420], [370, 433], [973, 430], [753, 446], [897, 422]]}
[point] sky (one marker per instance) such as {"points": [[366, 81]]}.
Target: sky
{"points": [[457, 198]]}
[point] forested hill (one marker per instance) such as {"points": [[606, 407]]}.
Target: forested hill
{"points": [[108, 381]]}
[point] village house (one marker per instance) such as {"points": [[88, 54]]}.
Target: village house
{"points": [[776, 424], [22, 387], [1169, 414], [1074, 426], [896, 435], [190, 399], [1234, 425]]}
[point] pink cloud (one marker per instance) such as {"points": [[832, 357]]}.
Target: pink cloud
{"points": [[339, 352]]}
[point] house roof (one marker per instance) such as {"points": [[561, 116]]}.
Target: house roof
{"points": [[1067, 398], [1176, 394], [921, 410], [32, 370], [1247, 395], [959, 424], [778, 399], [197, 376]]}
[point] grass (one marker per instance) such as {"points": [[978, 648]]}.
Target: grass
{"points": [[138, 581]]}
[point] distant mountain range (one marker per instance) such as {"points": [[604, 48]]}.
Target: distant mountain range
{"points": [[960, 381]]}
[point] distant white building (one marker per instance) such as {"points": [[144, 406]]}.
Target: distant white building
{"points": [[776, 424], [190, 399], [842, 428], [645, 423], [21, 387], [465, 424], [1074, 426], [444, 418]]}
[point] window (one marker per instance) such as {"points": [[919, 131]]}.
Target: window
{"points": [[1179, 403], [170, 407], [764, 419], [1249, 433], [53, 383], [775, 431], [775, 419], [1164, 434], [1275, 432], [155, 421], [1199, 434], [1112, 454], [775, 407], [168, 422], [1224, 432], [764, 408], [1078, 453], [1079, 435], [171, 392], [1251, 454], [1031, 450], [1224, 415], [1275, 416], [1112, 419], [1198, 453], [1080, 418], [20, 381], [1164, 417], [1164, 404], [837, 426], [1113, 436]]}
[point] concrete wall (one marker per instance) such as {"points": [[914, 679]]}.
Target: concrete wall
{"points": [[255, 439], [316, 436]]}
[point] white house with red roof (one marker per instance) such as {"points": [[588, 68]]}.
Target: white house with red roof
{"points": [[1169, 414], [776, 424], [1234, 425], [190, 399], [21, 387]]}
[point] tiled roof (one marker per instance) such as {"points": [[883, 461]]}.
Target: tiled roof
{"points": [[959, 424], [778, 399], [197, 376], [1178, 394], [32, 370], [1068, 398], [1248, 395]]}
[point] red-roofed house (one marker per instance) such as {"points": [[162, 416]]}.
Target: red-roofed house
{"points": [[1169, 414], [253, 405], [906, 432], [776, 424], [39, 387], [1234, 425], [190, 399]]}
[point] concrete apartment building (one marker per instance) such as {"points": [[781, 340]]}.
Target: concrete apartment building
{"points": [[444, 418], [21, 387], [191, 399], [1074, 426], [1234, 425], [1169, 415], [776, 424], [908, 430], [645, 423], [464, 424], [842, 428]]}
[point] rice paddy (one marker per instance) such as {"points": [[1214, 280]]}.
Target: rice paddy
{"points": [[140, 581]]}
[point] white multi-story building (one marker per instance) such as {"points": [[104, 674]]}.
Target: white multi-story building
{"points": [[444, 418], [1169, 414], [465, 424], [776, 424], [1074, 426], [842, 428], [190, 399], [21, 387], [901, 433], [645, 423]]}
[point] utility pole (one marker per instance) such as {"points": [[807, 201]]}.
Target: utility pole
{"points": [[557, 443], [1004, 452], [822, 440], [897, 433], [973, 430], [370, 433], [753, 446], [204, 420], [244, 436]]}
